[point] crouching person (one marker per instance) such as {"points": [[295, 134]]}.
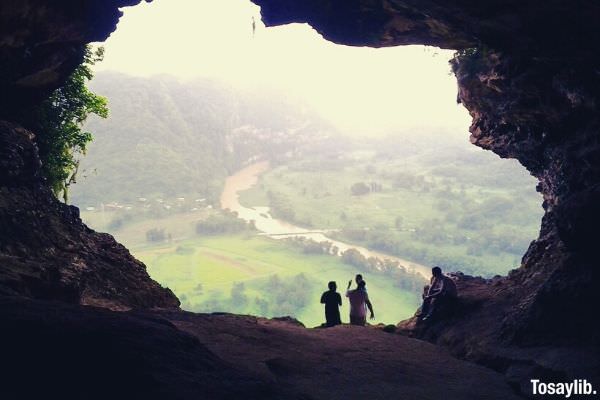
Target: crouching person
{"points": [[441, 289]]}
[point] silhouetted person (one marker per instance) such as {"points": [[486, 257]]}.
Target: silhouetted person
{"points": [[332, 301], [358, 279], [359, 302], [441, 288]]}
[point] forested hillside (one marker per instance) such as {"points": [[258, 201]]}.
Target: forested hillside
{"points": [[165, 138]]}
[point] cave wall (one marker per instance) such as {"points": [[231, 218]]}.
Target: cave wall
{"points": [[42, 42], [544, 113], [46, 252], [529, 75]]}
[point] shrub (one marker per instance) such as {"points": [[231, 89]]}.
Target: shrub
{"points": [[360, 189], [156, 235], [221, 223]]}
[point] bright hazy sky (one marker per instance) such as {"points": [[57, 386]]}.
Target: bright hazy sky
{"points": [[363, 89]]}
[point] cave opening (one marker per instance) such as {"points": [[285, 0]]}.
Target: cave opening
{"points": [[527, 73], [362, 148]]}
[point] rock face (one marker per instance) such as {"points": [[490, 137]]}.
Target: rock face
{"points": [[42, 42], [528, 72], [46, 251], [533, 27], [475, 328], [545, 114]]}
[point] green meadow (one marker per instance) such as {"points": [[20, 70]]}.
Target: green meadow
{"points": [[247, 273], [457, 212]]}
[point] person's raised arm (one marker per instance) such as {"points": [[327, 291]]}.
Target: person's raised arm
{"points": [[370, 307]]}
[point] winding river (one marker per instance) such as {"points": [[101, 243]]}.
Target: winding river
{"points": [[277, 229]]}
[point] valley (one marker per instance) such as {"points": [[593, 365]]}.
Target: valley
{"points": [[261, 219]]}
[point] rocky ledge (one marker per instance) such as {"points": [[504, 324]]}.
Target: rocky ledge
{"points": [[478, 327], [57, 350]]}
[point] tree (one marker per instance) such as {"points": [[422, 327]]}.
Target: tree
{"points": [[360, 188], [155, 235], [399, 222], [60, 119], [354, 257], [238, 296], [263, 306], [222, 222]]}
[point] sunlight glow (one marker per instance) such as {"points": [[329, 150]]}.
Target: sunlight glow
{"points": [[361, 90]]}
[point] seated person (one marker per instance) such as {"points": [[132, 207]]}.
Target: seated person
{"points": [[441, 288]]}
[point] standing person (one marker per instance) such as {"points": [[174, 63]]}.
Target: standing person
{"points": [[359, 302], [358, 279], [332, 301], [442, 288]]}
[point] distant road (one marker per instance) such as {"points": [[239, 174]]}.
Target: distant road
{"points": [[247, 177]]}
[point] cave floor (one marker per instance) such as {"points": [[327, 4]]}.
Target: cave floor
{"points": [[55, 350], [344, 362]]}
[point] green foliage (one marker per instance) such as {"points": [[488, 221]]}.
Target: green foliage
{"points": [[156, 235], [278, 278], [62, 140], [470, 60], [221, 223], [310, 246], [185, 250], [403, 278], [281, 206], [289, 295], [359, 189], [363, 188], [167, 139], [238, 296], [468, 52], [435, 203], [119, 221]]}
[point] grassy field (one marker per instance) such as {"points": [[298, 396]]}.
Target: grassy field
{"points": [[436, 207], [455, 213], [249, 274]]}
